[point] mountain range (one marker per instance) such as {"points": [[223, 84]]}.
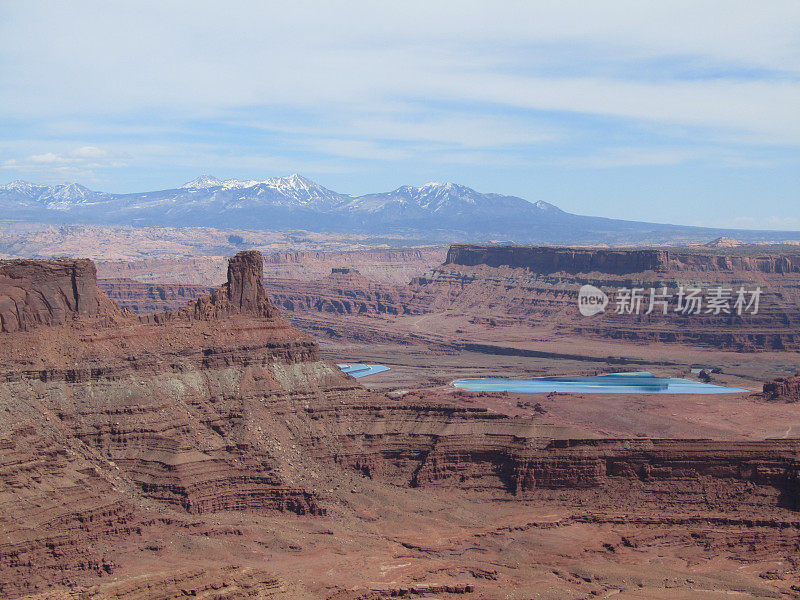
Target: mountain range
{"points": [[435, 211]]}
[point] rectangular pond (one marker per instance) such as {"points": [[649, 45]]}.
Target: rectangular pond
{"points": [[612, 383], [359, 370]]}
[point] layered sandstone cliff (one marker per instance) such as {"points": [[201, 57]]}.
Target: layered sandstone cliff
{"points": [[151, 297], [550, 259], [344, 291], [538, 287], [132, 446], [47, 292]]}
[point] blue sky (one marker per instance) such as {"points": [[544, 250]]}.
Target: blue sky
{"points": [[681, 112]]}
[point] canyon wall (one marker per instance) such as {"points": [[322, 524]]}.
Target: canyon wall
{"points": [[549, 259], [430, 446], [151, 297], [538, 287], [389, 266], [45, 292], [345, 291], [131, 440], [103, 417]]}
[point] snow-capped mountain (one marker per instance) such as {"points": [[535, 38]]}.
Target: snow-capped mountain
{"points": [[443, 198], [53, 197], [434, 211], [202, 183], [294, 188]]}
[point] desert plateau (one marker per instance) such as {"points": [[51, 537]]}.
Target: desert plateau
{"points": [[194, 440]]}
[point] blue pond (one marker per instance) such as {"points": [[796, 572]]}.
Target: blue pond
{"points": [[358, 371], [612, 383]]}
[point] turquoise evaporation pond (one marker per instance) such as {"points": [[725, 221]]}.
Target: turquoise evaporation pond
{"points": [[360, 370], [612, 383]]}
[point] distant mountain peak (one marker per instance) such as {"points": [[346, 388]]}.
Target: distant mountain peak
{"points": [[294, 180], [439, 184], [61, 197], [201, 183], [724, 242], [20, 185]]}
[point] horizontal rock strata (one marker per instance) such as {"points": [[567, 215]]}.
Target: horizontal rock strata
{"points": [[47, 292], [116, 428], [538, 287]]}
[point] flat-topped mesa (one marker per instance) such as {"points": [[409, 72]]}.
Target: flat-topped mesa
{"points": [[548, 259], [351, 275], [538, 287], [46, 292]]}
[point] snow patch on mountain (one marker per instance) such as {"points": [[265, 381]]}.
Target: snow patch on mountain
{"points": [[202, 183]]}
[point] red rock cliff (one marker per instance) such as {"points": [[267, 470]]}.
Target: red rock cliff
{"points": [[127, 445], [538, 287], [547, 259], [245, 287], [46, 292]]}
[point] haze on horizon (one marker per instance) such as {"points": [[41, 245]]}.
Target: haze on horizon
{"points": [[684, 113]]}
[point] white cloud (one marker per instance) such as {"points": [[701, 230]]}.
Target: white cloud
{"points": [[198, 58], [76, 163], [86, 152], [438, 128]]}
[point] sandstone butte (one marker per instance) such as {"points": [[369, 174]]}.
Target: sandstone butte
{"points": [[209, 451]]}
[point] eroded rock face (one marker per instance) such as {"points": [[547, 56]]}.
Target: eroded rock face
{"points": [[783, 389], [515, 457], [133, 439], [243, 292], [538, 287], [345, 291], [46, 292], [547, 260], [151, 297], [123, 388], [245, 285], [544, 259]]}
